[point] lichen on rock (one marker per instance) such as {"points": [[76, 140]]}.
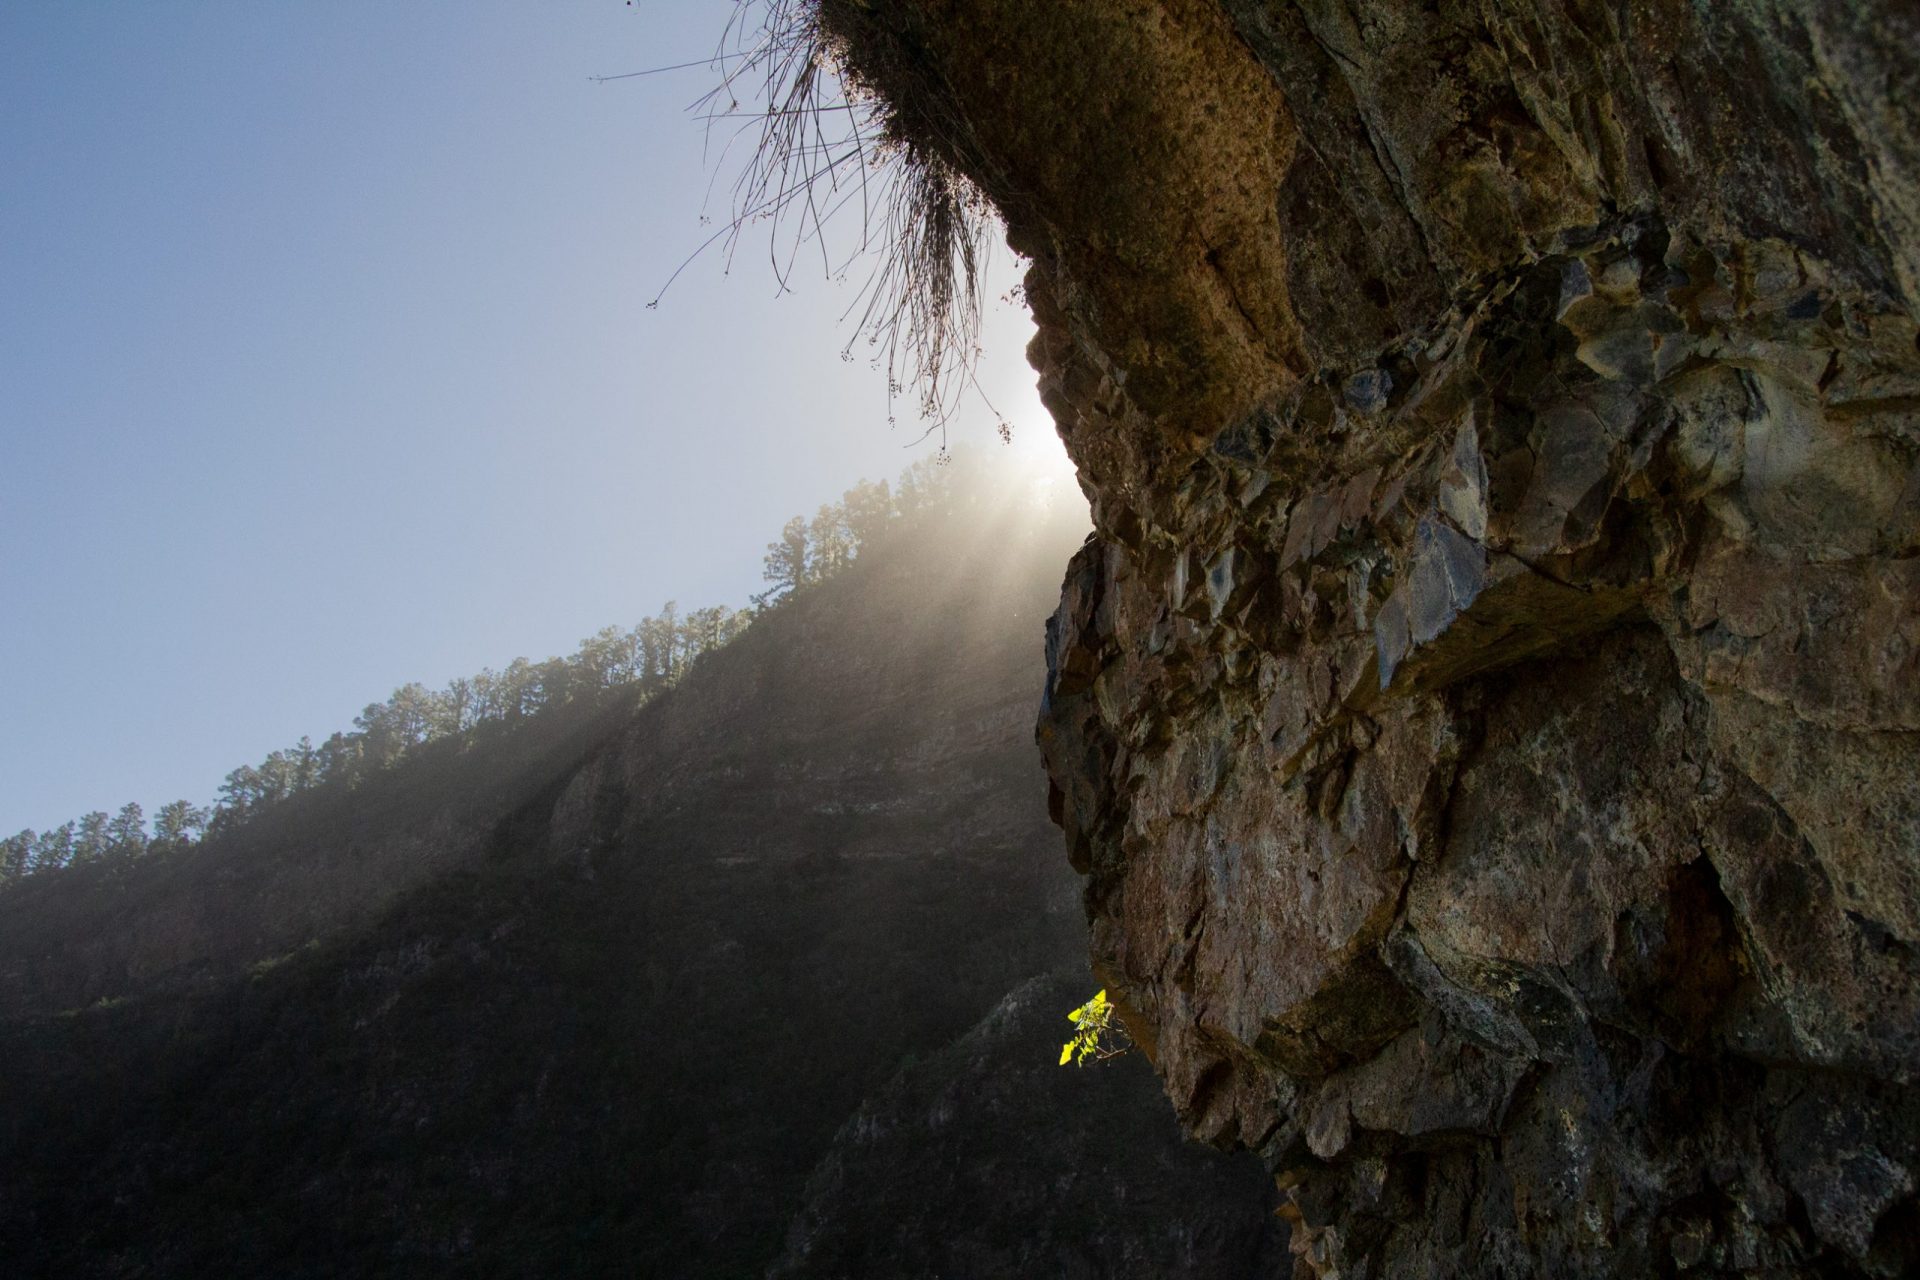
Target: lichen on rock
{"points": [[1488, 714]]}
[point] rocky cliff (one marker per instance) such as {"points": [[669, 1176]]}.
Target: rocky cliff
{"points": [[1487, 718]]}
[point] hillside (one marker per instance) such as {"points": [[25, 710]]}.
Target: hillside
{"points": [[769, 970]]}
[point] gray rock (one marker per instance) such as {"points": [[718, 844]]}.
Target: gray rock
{"points": [[1624, 496]]}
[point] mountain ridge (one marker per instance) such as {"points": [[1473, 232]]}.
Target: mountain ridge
{"points": [[617, 1028]]}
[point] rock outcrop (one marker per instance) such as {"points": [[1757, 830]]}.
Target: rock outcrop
{"points": [[1487, 714]]}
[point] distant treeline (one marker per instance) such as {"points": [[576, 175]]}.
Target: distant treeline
{"points": [[639, 662]]}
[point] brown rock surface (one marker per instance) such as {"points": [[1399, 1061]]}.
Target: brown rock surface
{"points": [[1487, 714]]}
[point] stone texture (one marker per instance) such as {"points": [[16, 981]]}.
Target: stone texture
{"points": [[1487, 715]]}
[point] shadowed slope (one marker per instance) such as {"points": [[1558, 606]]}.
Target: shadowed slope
{"points": [[618, 1026]]}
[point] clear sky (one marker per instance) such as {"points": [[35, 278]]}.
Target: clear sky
{"points": [[325, 364]]}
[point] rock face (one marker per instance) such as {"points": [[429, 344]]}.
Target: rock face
{"points": [[1488, 714]]}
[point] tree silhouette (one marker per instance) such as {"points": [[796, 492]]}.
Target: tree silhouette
{"points": [[16, 855], [90, 840], [53, 848], [639, 662], [127, 833], [786, 564], [178, 825]]}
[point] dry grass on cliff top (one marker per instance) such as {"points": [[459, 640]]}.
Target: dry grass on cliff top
{"points": [[832, 171]]}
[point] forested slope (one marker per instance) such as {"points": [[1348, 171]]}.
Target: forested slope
{"points": [[771, 968]]}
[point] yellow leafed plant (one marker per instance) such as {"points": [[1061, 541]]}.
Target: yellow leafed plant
{"points": [[1095, 1035]]}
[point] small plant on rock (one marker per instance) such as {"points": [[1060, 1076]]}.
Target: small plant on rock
{"points": [[1095, 1034]]}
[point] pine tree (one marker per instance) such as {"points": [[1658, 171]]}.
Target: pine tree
{"points": [[869, 509], [786, 563], [276, 774], [832, 543], [240, 795], [339, 758], [90, 842], [517, 693], [178, 825], [54, 848], [486, 691], [306, 763], [127, 833], [16, 855], [450, 707], [415, 712]]}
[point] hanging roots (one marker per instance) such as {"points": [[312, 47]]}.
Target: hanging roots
{"points": [[826, 155]]}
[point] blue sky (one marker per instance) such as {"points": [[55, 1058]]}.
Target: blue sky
{"points": [[325, 364]]}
